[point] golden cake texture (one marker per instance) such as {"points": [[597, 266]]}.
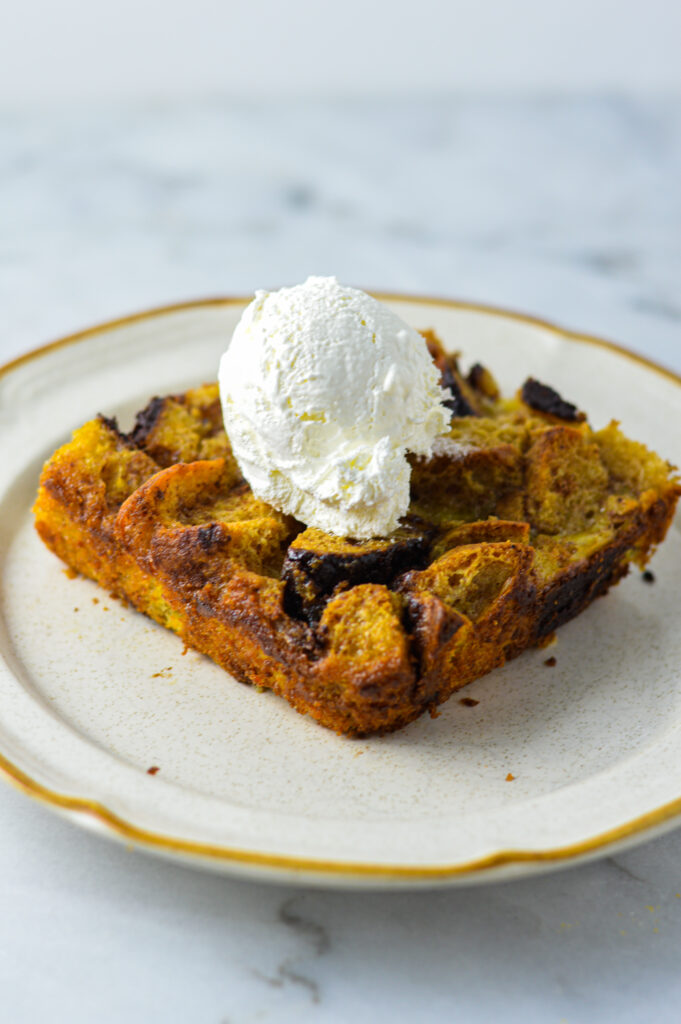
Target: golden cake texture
{"points": [[522, 515]]}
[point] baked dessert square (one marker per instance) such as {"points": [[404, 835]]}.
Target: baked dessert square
{"points": [[518, 519]]}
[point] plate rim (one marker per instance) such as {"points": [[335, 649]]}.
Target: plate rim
{"points": [[82, 809]]}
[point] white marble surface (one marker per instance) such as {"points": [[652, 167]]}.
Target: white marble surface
{"points": [[570, 210]]}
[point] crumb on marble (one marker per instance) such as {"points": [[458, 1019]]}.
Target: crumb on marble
{"points": [[550, 661], [468, 702], [154, 768], [510, 777], [648, 576]]}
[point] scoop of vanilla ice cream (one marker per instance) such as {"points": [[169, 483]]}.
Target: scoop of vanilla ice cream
{"points": [[324, 391]]}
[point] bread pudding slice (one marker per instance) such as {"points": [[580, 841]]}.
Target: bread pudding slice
{"points": [[521, 516]]}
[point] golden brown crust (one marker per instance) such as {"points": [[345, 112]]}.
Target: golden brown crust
{"points": [[517, 523]]}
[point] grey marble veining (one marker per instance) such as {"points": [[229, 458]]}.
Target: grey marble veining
{"points": [[92, 931], [570, 210]]}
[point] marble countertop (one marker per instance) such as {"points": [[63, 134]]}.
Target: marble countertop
{"points": [[570, 210]]}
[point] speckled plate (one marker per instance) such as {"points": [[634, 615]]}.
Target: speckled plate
{"points": [[93, 695]]}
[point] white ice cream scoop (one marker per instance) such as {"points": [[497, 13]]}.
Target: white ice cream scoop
{"points": [[324, 391]]}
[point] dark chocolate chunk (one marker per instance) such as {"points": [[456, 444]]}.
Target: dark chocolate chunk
{"points": [[542, 398], [577, 588], [112, 423], [458, 404], [450, 379], [317, 563], [481, 380], [146, 420]]}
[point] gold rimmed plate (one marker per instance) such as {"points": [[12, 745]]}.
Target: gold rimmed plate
{"points": [[554, 764]]}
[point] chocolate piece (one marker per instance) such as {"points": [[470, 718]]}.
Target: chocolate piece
{"points": [[317, 563], [146, 420], [457, 403], [182, 428], [542, 398], [431, 624], [578, 586], [112, 423], [480, 379], [450, 378]]}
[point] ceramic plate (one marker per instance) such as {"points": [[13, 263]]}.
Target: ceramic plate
{"points": [[93, 695]]}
